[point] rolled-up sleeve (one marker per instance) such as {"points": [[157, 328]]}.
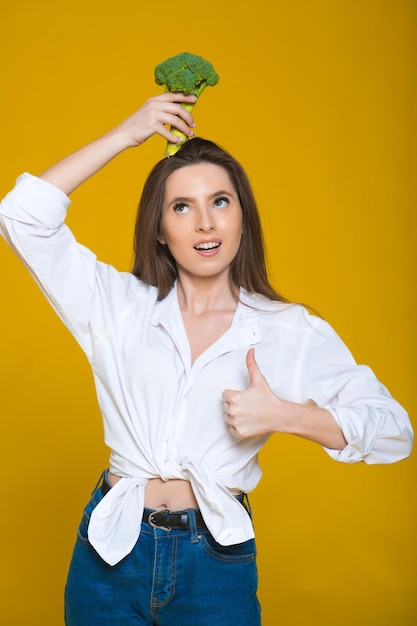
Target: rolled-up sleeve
{"points": [[376, 427], [32, 223]]}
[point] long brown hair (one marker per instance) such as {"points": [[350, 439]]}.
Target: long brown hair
{"points": [[154, 264]]}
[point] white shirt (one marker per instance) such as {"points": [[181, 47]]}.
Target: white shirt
{"points": [[162, 416]]}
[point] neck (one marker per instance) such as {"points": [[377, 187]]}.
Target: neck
{"points": [[197, 297]]}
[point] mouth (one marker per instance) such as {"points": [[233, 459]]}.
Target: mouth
{"points": [[207, 245]]}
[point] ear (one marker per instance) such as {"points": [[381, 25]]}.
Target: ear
{"points": [[161, 240]]}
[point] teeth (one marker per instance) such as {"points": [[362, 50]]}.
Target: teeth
{"points": [[208, 245]]}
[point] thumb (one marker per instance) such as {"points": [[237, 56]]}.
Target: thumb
{"points": [[256, 378]]}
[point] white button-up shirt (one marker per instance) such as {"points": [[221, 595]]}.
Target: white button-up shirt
{"points": [[163, 416]]}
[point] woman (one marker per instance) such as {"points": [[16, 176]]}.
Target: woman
{"points": [[167, 536]]}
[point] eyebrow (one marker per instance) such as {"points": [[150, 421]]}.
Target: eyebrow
{"points": [[216, 194]]}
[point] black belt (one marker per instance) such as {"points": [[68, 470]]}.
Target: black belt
{"points": [[165, 518]]}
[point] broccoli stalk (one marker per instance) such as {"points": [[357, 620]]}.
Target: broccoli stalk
{"points": [[189, 74]]}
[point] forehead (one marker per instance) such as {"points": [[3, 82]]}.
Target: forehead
{"points": [[198, 178]]}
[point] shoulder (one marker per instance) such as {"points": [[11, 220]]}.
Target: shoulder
{"points": [[122, 286], [291, 321], [282, 313]]}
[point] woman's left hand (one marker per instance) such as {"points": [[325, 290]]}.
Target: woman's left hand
{"points": [[254, 411], [258, 411]]}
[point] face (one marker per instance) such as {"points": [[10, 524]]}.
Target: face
{"points": [[201, 220]]}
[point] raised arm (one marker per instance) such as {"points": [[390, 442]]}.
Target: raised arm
{"points": [[156, 116], [32, 215]]}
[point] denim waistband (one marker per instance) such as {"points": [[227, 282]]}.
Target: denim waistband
{"points": [[169, 519]]}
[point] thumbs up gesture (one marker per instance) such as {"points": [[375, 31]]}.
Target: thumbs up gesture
{"points": [[258, 411], [251, 412]]}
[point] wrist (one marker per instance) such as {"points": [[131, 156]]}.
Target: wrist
{"points": [[116, 141], [284, 416]]}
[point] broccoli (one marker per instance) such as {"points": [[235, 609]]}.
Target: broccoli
{"points": [[186, 73]]}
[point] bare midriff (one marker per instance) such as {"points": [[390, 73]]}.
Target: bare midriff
{"points": [[174, 494]]}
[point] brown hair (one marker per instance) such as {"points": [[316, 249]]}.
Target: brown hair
{"points": [[154, 264]]}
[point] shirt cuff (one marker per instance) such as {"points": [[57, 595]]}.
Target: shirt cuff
{"points": [[37, 202], [373, 435]]}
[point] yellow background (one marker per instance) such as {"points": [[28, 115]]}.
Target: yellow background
{"points": [[318, 100]]}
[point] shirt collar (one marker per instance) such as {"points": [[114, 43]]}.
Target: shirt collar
{"points": [[163, 306], [245, 313]]}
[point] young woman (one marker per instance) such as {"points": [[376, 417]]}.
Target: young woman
{"points": [[197, 361]]}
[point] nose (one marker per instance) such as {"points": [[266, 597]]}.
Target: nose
{"points": [[205, 220]]}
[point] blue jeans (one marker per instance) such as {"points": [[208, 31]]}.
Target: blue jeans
{"points": [[175, 578]]}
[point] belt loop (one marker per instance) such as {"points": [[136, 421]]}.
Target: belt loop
{"points": [[101, 479], [192, 524], [247, 505]]}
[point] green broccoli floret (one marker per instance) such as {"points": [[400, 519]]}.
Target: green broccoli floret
{"points": [[185, 73]]}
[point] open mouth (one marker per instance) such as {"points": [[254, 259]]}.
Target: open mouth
{"points": [[207, 245]]}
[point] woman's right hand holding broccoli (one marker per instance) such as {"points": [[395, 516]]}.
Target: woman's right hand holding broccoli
{"points": [[155, 117]]}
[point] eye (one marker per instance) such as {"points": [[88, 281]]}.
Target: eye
{"points": [[221, 202], [180, 208]]}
